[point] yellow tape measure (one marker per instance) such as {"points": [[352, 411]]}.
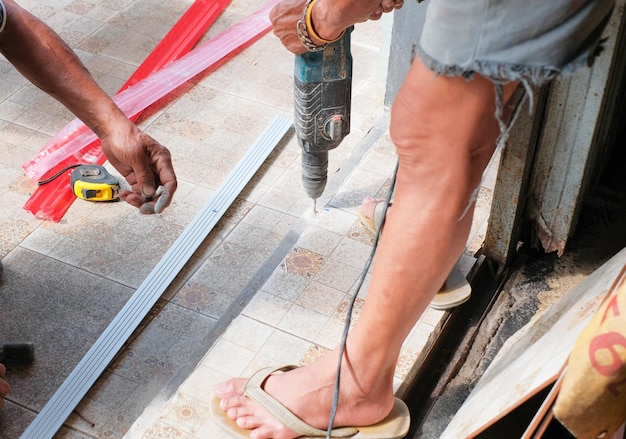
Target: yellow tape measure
{"points": [[94, 183], [90, 182]]}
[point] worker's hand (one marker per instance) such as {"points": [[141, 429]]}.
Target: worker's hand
{"points": [[284, 17], [330, 18], [4, 386], [144, 163], [386, 6], [48, 62]]}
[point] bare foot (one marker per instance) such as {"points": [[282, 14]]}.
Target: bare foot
{"points": [[307, 392]]}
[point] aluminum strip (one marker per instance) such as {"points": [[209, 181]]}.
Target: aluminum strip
{"points": [[95, 361]]}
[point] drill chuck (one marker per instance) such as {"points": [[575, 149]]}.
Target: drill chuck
{"points": [[314, 172], [322, 93]]}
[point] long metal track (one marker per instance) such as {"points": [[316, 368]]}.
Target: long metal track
{"points": [[95, 361]]}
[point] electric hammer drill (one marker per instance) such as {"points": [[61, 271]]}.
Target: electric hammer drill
{"points": [[323, 88]]}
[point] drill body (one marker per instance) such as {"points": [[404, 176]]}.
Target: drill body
{"points": [[322, 93]]}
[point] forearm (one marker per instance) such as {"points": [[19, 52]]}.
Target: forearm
{"points": [[44, 59]]}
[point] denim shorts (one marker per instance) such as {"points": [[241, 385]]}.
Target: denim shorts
{"points": [[528, 40], [531, 41]]}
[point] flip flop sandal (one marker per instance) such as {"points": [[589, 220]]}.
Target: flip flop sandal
{"points": [[394, 426], [455, 291], [372, 224]]}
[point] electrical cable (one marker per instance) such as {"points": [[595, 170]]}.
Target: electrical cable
{"points": [[58, 174], [346, 328]]}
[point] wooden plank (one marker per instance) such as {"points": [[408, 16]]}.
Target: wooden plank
{"points": [[533, 357], [544, 416]]}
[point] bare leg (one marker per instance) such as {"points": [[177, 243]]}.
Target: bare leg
{"points": [[445, 131]]}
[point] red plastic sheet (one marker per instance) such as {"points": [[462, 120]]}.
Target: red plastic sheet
{"points": [[68, 147], [178, 41], [55, 198]]}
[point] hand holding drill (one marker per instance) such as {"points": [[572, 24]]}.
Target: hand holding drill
{"points": [[323, 75], [330, 18]]}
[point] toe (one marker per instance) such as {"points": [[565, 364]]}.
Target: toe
{"points": [[230, 388], [236, 407]]}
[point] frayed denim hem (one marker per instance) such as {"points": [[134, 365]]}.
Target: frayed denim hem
{"points": [[500, 74]]}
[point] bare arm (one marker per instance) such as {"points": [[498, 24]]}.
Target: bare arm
{"points": [[45, 59]]}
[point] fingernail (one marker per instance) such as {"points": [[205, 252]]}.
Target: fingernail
{"points": [[148, 191]]}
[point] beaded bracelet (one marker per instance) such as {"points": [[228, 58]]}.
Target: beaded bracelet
{"points": [[305, 30]]}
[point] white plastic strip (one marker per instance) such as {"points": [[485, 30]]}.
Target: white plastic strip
{"points": [[95, 361]]}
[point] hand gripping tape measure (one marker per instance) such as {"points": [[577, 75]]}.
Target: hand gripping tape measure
{"points": [[91, 182], [94, 183]]}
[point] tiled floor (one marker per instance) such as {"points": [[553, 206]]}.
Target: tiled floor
{"points": [[64, 282]]}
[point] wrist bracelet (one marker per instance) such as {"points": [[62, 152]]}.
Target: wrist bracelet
{"points": [[305, 30]]}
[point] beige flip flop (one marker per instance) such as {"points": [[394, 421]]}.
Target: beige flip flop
{"points": [[372, 224], [394, 426], [455, 291]]}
